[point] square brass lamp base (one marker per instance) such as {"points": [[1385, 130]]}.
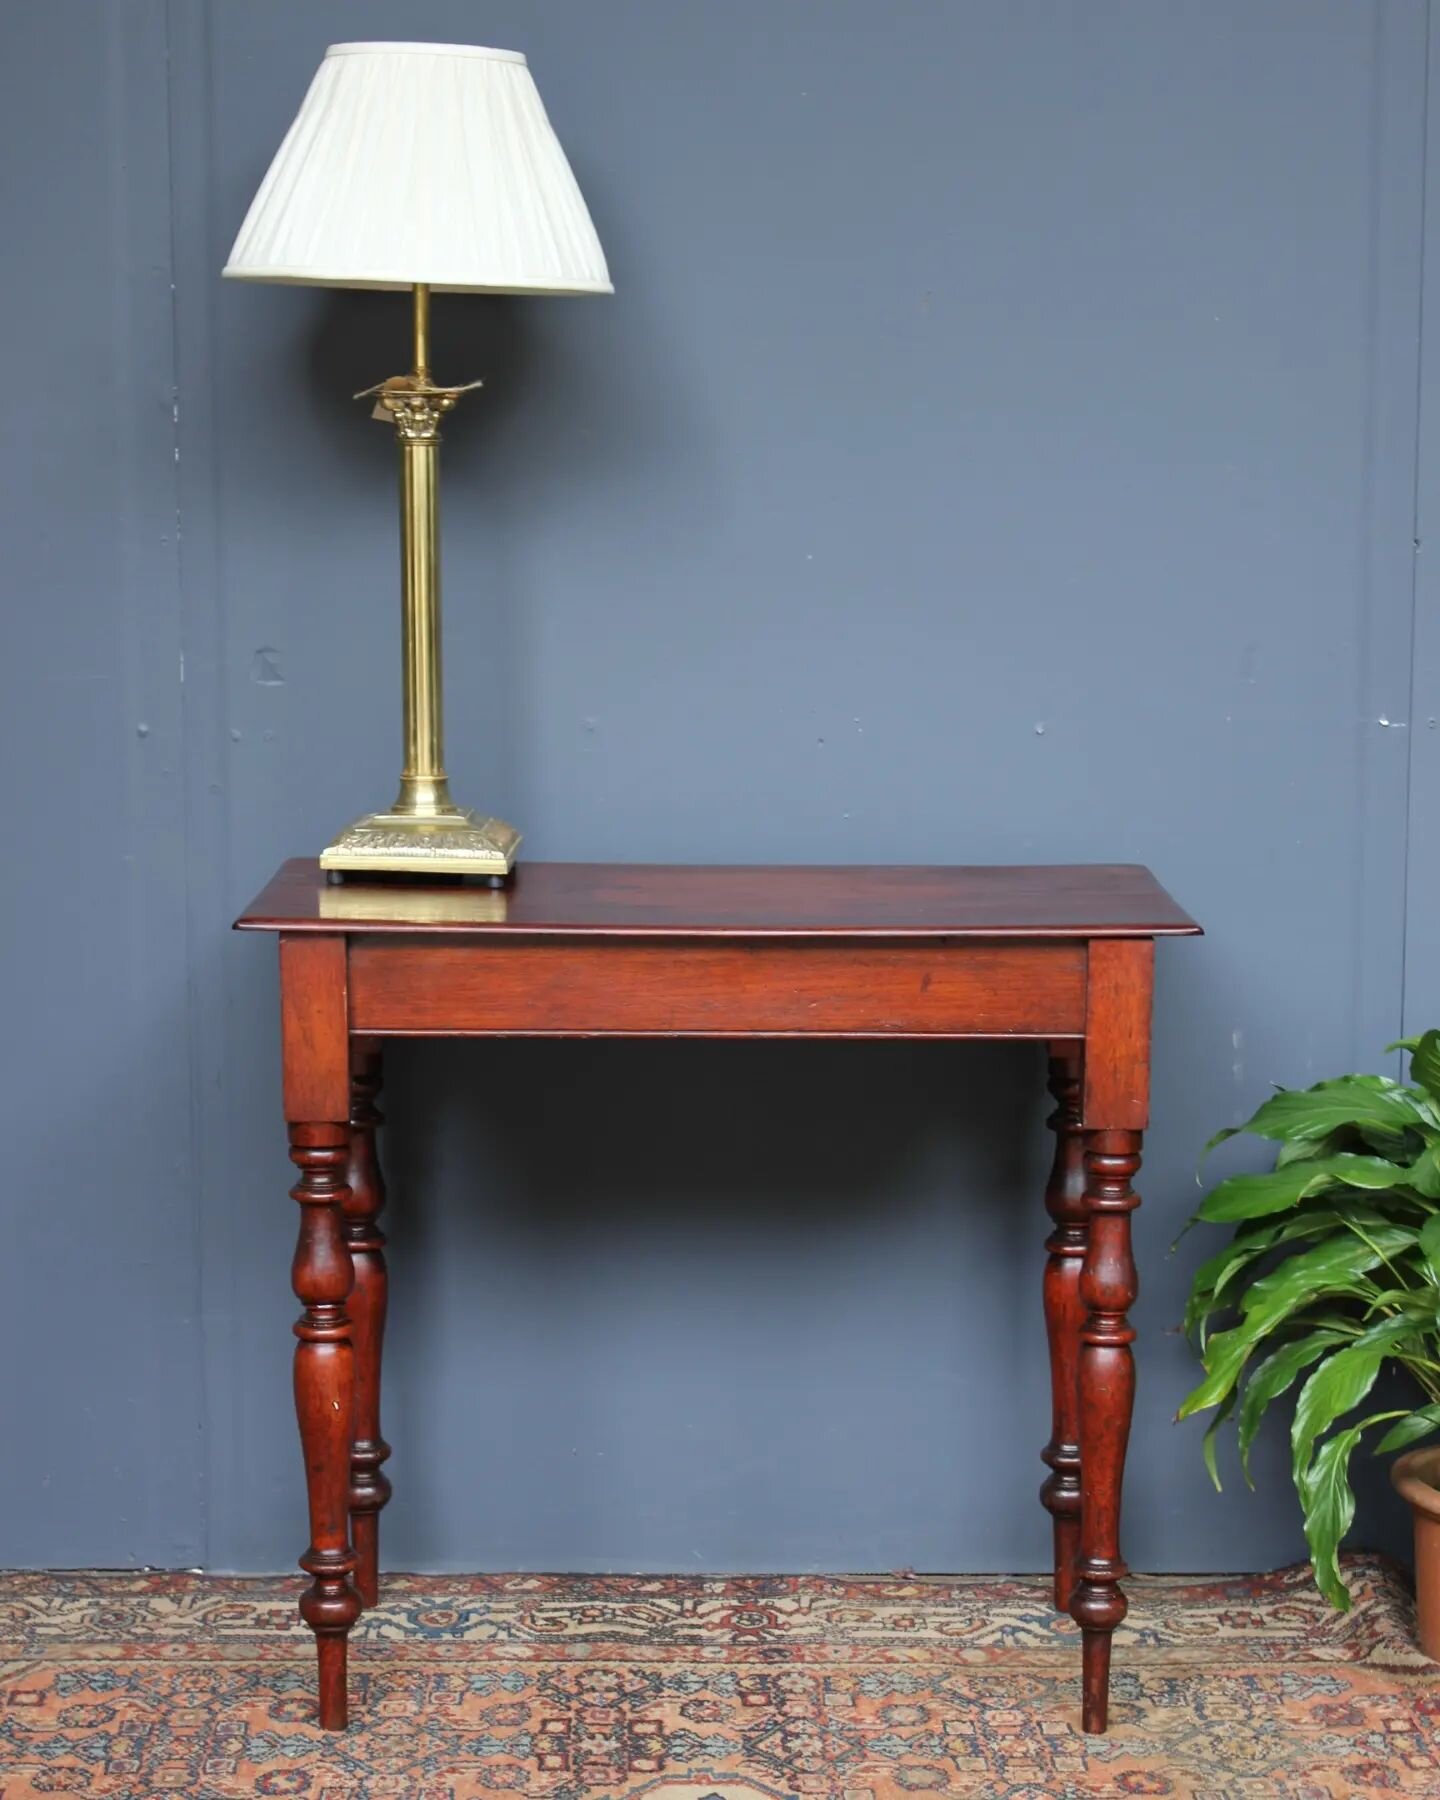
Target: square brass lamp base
{"points": [[464, 843]]}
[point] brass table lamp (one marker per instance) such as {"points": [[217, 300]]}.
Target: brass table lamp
{"points": [[430, 167]]}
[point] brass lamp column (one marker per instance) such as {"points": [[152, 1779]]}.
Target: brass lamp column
{"points": [[424, 832], [421, 168]]}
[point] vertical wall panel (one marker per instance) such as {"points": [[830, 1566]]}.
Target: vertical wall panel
{"points": [[1422, 934], [99, 1281]]}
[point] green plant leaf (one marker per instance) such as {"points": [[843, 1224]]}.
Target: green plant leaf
{"points": [[1329, 1508], [1254, 1196], [1415, 1425], [1339, 1385], [1430, 1246], [1295, 1150], [1209, 1285], [1425, 1063], [1330, 1267], [1424, 1173], [1213, 1275], [1225, 1131], [1351, 1100], [1275, 1376], [1375, 1173], [1395, 1146], [1212, 1432]]}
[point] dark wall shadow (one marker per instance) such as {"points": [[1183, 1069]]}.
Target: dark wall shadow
{"points": [[757, 1190]]}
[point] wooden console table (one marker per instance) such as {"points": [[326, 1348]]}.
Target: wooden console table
{"points": [[1064, 955]]}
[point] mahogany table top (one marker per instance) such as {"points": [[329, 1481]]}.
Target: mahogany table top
{"points": [[619, 900]]}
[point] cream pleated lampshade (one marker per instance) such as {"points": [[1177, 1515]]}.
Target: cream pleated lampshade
{"points": [[422, 163]]}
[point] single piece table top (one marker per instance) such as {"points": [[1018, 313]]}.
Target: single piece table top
{"points": [[618, 900]]}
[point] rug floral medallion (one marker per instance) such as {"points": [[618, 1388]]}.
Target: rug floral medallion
{"points": [[138, 1686]]}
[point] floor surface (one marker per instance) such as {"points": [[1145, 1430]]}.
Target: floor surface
{"points": [[130, 1687]]}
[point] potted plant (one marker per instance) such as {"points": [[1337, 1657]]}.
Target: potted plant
{"points": [[1331, 1274]]}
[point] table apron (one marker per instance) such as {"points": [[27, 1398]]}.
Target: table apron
{"points": [[767, 987]]}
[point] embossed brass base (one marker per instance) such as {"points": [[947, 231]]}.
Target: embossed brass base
{"points": [[464, 843]]}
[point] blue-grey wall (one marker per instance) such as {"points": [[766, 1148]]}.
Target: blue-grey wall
{"points": [[1006, 442]]}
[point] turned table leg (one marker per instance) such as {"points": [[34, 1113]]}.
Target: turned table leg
{"points": [[315, 1063], [1065, 1314], [369, 1486], [325, 1400], [1114, 1108], [1108, 1285]]}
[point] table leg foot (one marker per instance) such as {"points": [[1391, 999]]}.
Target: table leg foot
{"points": [[1065, 1314], [369, 1486], [332, 1654], [325, 1400], [1095, 1682]]}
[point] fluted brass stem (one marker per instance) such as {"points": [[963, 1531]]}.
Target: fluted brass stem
{"points": [[424, 789]]}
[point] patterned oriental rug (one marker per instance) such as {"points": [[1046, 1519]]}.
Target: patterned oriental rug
{"points": [[584, 1688]]}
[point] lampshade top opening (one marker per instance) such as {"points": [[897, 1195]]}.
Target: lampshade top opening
{"points": [[426, 50]]}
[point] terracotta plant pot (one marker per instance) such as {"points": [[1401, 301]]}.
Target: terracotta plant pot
{"points": [[1417, 1479]]}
